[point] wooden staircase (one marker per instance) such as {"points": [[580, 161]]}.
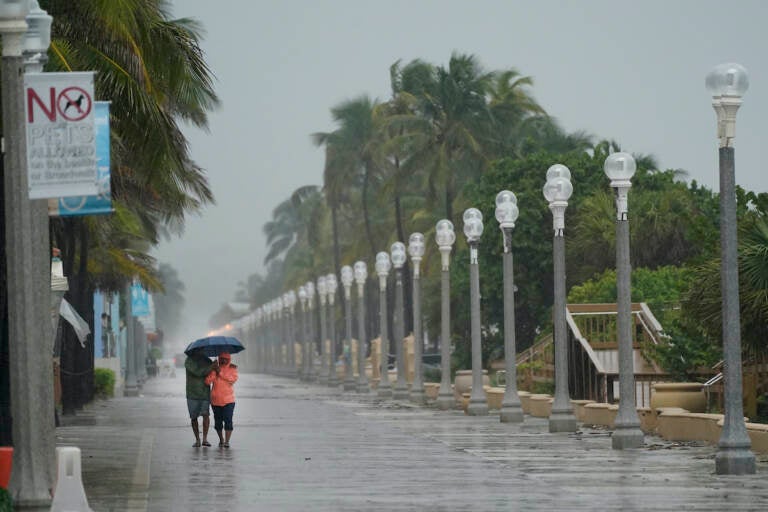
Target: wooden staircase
{"points": [[593, 354]]}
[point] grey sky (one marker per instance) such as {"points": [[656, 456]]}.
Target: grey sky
{"points": [[626, 70]]}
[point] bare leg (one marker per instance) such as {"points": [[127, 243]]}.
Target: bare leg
{"points": [[206, 426], [227, 436], [196, 431], [221, 438]]}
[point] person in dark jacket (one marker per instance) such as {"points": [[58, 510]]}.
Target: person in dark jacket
{"points": [[198, 366]]}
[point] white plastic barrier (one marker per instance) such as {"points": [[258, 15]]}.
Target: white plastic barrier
{"points": [[70, 494]]}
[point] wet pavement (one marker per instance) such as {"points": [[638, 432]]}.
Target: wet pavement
{"points": [[299, 447]]}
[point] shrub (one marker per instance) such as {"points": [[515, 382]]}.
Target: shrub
{"points": [[6, 503], [104, 382], [432, 374]]}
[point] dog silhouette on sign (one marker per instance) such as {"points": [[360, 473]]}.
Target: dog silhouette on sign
{"points": [[78, 103]]}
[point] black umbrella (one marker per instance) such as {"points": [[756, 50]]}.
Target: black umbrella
{"points": [[212, 346]]}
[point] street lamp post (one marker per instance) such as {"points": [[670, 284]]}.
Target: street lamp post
{"points": [[361, 274], [259, 337], [303, 373], [416, 252], [506, 215], [727, 83], [290, 298], [322, 293], [620, 167], [445, 237], [397, 252], [333, 285], [347, 277], [557, 191], [310, 287], [30, 345], [384, 390], [473, 228]]}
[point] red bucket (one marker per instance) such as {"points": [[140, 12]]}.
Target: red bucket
{"points": [[6, 461]]}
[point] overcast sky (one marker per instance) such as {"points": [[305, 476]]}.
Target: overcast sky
{"points": [[626, 70]]}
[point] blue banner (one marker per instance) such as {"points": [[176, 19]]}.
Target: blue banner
{"points": [[139, 300], [101, 203]]}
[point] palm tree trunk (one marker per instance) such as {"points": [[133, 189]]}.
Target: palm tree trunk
{"points": [[366, 213], [337, 257], [408, 298]]}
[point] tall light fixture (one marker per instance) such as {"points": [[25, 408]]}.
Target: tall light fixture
{"points": [[397, 252], [473, 228], [557, 191], [384, 390], [30, 345], [445, 237], [506, 214], [727, 83], [333, 285], [620, 167], [311, 335], [347, 277], [416, 250], [361, 274], [322, 292], [304, 369]]}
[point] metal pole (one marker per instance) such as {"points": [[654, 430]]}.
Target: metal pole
{"points": [[131, 386], [511, 409], [445, 398], [323, 377], [417, 388], [362, 379], [734, 456], [349, 378], [30, 347], [478, 406], [627, 424], [401, 385], [312, 342], [561, 418], [333, 379], [384, 389]]}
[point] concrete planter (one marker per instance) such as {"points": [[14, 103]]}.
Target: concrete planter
{"points": [[686, 395], [541, 406], [463, 381], [525, 401], [578, 408], [495, 397], [432, 389], [600, 414]]}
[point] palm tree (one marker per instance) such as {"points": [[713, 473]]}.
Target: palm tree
{"points": [[352, 154], [152, 70]]}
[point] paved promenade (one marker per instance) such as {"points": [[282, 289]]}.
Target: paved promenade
{"points": [[302, 447]]}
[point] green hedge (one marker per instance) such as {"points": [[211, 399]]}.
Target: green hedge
{"points": [[6, 503], [104, 382]]}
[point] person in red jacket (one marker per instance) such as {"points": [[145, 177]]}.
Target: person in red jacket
{"points": [[223, 376]]}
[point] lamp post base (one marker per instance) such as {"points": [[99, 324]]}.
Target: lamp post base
{"points": [[363, 387], [131, 391], [401, 391], [563, 421], [384, 390], [477, 408], [626, 437], [511, 413], [418, 396], [445, 401], [734, 461], [349, 384]]}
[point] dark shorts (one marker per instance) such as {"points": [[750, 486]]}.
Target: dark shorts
{"points": [[198, 408], [222, 416]]}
